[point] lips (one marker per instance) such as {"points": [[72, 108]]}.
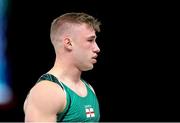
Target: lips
{"points": [[94, 57]]}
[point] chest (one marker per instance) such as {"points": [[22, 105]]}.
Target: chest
{"points": [[84, 109]]}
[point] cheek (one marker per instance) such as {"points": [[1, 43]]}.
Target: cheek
{"points": [[82, 50], [82, 55]]}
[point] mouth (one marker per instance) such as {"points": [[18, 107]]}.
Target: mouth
{"points": [[94, 59]]}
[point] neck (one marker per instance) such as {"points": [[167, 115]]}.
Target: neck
{"points": [[65, 71]]}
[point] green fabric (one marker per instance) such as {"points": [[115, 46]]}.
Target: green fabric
{"points": [[78, 109]]}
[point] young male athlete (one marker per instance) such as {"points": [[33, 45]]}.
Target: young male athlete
{"points": [[61, 95]]}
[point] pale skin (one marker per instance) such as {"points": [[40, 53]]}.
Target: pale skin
{"points": [[76, 53]]}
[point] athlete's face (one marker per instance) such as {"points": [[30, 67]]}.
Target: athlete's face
{"points": [[85, 48]]}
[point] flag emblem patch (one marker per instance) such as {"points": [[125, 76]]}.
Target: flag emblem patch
{"points": [[90, 112]]}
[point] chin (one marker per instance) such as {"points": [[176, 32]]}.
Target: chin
{"points": [[88, 68]]}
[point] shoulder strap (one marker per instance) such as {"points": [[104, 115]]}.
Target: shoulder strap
{"points": [[88, 85], [52, 78]]}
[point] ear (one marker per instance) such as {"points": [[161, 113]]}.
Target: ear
{"points": [[67, 43]]}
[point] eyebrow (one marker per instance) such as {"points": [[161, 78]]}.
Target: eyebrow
{"points": [[92, 37]]}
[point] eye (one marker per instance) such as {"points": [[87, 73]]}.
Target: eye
{"points": [[90, 40]]}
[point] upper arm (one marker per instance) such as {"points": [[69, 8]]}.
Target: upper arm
{"points": [[44, 101]]}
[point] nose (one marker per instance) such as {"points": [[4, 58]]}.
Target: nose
{"points": [[96, 48]]}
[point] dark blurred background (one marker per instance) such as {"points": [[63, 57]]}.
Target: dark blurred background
{"points": [[136, 77]]}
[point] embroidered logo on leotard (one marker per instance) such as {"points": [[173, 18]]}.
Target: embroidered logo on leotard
{"points": [[90, 112]]}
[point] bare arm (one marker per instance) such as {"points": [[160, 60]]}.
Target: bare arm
{"points": [[44, 101]]}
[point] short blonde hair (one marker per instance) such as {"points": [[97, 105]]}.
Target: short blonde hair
{"points": [[73, 18]]}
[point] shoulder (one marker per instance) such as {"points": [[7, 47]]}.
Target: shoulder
{"points": [[46, 96]]}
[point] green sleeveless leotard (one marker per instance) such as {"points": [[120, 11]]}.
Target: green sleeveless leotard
{"points": [[78, 109]]}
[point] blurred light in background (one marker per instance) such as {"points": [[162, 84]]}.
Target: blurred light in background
{"points": [[5, 90]]}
